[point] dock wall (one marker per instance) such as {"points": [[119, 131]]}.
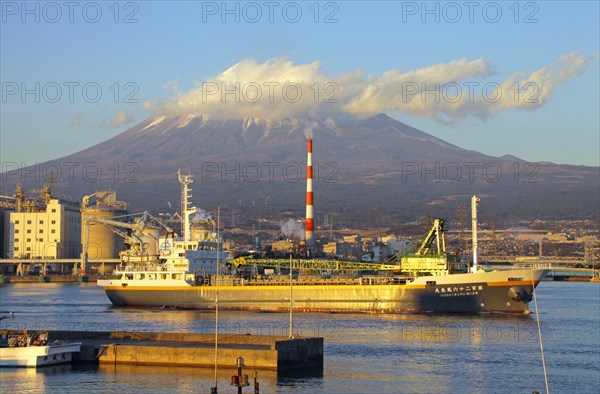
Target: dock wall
{"points": [[186, 356], [188, 349]]}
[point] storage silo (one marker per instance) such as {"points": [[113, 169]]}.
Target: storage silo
{"points": [[103, 243], [202, 230]]}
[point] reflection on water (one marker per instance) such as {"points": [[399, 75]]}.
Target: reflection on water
{"points": [[363, 353], [201, 378], [150, 379], [179, 379]]}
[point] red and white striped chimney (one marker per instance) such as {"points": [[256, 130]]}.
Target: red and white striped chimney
{"points": [[309, 201]]}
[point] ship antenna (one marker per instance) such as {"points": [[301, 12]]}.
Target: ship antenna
{"points": [[474, 200], [218, 240], [186, 210]]}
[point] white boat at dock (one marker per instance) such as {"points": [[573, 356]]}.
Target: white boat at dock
{"points": [[22, 348]]}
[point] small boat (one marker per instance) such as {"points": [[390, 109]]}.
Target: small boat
{"points": [[22, 348]]}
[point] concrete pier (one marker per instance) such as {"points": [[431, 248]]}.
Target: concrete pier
{"points": [[180, 349]]}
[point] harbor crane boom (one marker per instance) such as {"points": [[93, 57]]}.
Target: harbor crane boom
{"points": [[137, 227]]}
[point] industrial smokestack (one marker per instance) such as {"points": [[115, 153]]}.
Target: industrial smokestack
{"points": [[309, 202]]}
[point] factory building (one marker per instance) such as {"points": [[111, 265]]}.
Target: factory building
{"points": [[3, 210], [51, 232]]}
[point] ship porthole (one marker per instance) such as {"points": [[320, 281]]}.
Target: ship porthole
{"points": [[482, 304], [508, 304]]}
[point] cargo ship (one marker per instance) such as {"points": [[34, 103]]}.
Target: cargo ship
{"points": [[191, 272], [497, 292]]}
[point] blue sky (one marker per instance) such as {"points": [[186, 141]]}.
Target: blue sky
{"points": [[134, 66]]}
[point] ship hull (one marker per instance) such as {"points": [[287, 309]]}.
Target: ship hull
{"points": [[500, 292]]}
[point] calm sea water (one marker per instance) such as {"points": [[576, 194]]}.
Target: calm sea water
{"points": [[363, 353]]}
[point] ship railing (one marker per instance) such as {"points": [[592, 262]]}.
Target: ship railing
{"points": [[304, 280], [226, 281], [138, 268], [229, 280], [383, 280], [534, 266]]}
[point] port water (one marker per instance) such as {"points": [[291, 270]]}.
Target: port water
{"points": [[362, 353]]}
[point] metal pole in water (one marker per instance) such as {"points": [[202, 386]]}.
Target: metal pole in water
{"points": [[537, 318], [256, 385], [291, 302], [214, 389], [240, 380]]}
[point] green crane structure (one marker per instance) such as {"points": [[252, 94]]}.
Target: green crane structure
{"points": [[428, 260]]}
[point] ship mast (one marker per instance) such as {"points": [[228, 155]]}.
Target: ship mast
{"points": [[186, 209], [474, 200]]}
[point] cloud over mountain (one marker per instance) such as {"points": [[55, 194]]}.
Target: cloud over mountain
{"points": [[121, 118], [446, 92]]}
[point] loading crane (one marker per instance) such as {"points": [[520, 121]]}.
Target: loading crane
{"points": [[435, 233], [135, 238], [427, 260]]}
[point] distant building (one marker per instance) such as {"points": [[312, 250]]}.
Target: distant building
{"points": [[387, 238], [388, 246], [351, 239], [381, 251], [400, 245], [282, 246], [536, 237], [51, 233], [330, 248], [368, 257], [343, 250]]}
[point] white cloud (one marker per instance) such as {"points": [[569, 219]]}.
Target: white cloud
{"points": [[121, 118], [272, 90], [447, 92], [76, 121], [172, 86]]}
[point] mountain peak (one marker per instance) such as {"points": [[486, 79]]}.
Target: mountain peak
{"points": [[510, 158], [371, 165]]}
